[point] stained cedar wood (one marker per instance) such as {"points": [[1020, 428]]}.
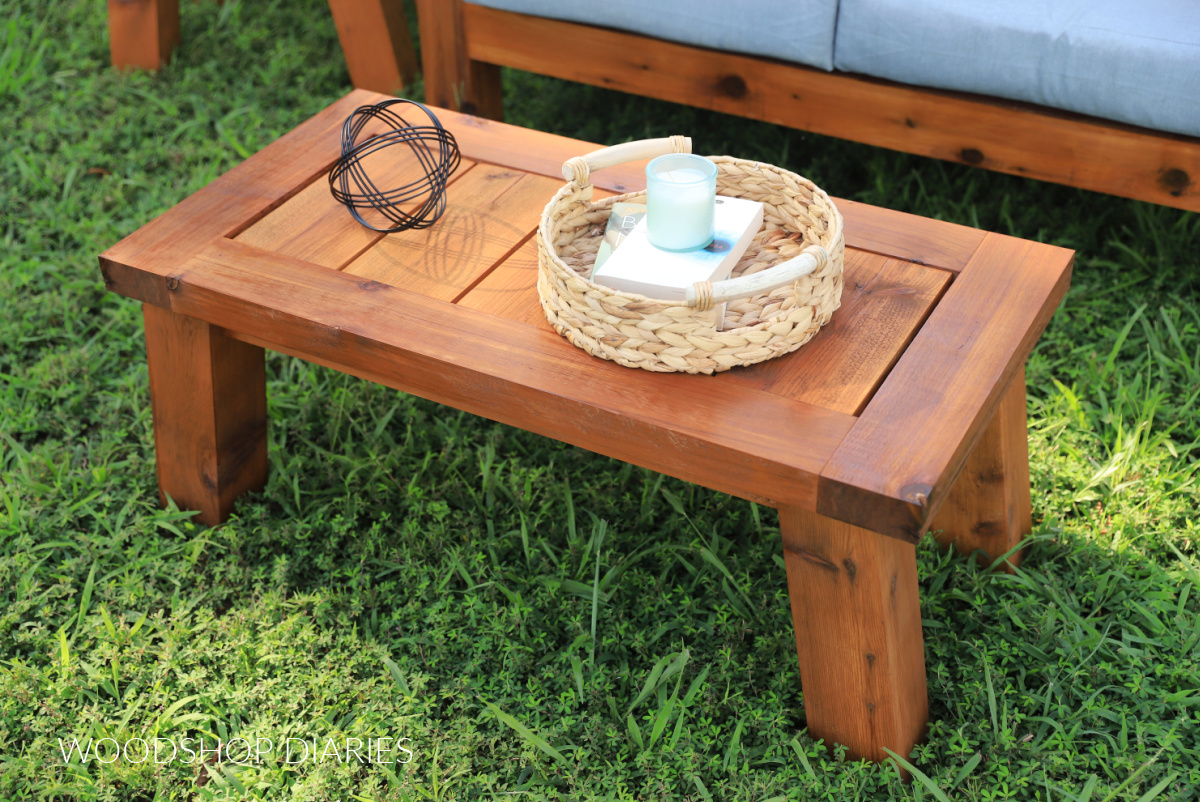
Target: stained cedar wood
{"points": [[1000, 135], [989, 506], [315, 227], [686, 426], [510, 290], [139, 266], [236, 200], [142, 33], [904, 236], [857, 618], [490, 212], [209, 399], [455, 81], [376, 42], [895, 467], [250, 190], [883, 304]]}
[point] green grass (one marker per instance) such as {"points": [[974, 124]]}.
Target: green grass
{"points": [[539, 621]]}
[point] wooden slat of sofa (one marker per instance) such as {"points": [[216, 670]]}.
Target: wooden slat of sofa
{"points": [[1006, 136]]}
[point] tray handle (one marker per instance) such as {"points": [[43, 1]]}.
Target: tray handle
{"points": [[705, 295], [578, 168]]}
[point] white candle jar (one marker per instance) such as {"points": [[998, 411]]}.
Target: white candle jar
{"points": [[681, 192]]}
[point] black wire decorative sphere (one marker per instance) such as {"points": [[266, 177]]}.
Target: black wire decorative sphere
{"points": [[432, 145]]}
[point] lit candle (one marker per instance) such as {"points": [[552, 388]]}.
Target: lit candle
{"points": [[681, 192]]}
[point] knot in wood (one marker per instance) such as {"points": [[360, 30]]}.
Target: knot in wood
{"points": [[733, 86]]}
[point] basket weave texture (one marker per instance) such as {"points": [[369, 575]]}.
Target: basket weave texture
{"points": [[669, 336]]}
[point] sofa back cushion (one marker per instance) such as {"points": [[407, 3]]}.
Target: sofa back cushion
{"points": [[794, 30], [1136, 62]]}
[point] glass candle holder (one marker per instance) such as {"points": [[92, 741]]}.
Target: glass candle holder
{"points": [[681, 193]]}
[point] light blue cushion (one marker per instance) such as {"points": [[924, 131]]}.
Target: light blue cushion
{"points": [[794, 30], [1135, 61]]}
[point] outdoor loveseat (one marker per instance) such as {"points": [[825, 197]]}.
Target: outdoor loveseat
{"points": [[1098, 94]]}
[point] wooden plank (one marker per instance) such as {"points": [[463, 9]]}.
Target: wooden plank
{"points": [[376, 42], [896, 466], [858, 634], [730, 438], [140, 265], [510, 290], [911, 237], [534, 151], [208, 393], [452, 80], [883, 305], [999, 135], [904, 236], [313, 226], [989, 509], [884, 302], [491, 211], [142, 33]]}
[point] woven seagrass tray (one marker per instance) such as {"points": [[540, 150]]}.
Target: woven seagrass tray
{"points": [[784, 288]]}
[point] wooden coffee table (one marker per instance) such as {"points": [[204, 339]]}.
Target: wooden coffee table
{"points": [[906, 413]]}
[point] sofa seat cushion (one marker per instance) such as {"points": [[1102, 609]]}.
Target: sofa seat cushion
{"points": [[794, 30], [1134, 62]]}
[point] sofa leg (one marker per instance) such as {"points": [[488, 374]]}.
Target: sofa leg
{"points": [[142, 33], [209, 399], [452, 80], [376, 42], [858, 634], [989, 506]]}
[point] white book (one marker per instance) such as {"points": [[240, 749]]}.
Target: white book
{"points": [[639, 267]]}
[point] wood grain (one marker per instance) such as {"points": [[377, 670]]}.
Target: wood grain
{"points": [[452, 79], [730, 438], [989, 510], [896, 466], [510, 291], [313, 226], [858, 634], [376, 42], [999, 135], [142, 33], [884, 302], [491, 211], [911, 237], [208, 393], [904, 236]]}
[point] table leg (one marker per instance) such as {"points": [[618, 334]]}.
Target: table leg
{"points": [[209, 397], [858, 634], [142, 33], [989, 506]]}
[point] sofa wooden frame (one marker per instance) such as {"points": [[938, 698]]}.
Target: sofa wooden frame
{"points": [[464, 46]]}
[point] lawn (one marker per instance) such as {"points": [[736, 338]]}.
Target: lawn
{"points": [[538, 621]]}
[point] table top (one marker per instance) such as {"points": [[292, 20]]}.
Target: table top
{"points": [[869, 423]]}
